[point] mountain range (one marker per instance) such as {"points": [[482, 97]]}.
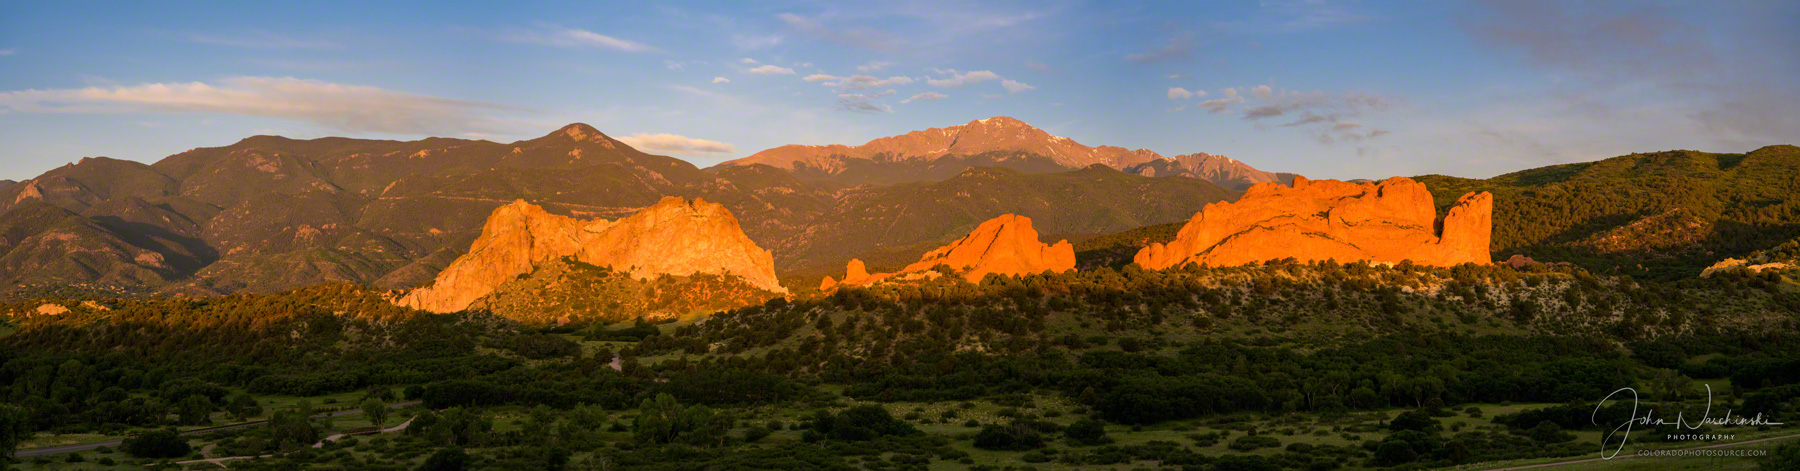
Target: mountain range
{"points": [[1000, 141], [270, 213]]}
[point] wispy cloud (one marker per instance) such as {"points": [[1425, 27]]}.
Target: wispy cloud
{"points": [[864, 102], [1178, 46], [551, 35], [1325, 116], [874, 66], [672, 144], [721, 80], [927, 96], [1301, 15], [716, 98], [1222, 104], [958, 79], [8, 52], [756, 42], [771, 70], [1612, 61], [1014, 86], [858, 82], [863, 38], [345, 107], [1178, 93], [261, 40]]}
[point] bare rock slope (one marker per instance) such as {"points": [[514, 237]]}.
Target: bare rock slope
{"points": [[674, 237], [1006, 245], [1390, 221]]}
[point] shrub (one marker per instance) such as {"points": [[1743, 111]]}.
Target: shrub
{"points": [[1011, 437], [164, 443], [865, 422], [1252, 442], [1087, 432], [449, 459]]}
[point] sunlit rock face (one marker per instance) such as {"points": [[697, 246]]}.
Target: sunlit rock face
{"points": [[1006, 245], [1389, 221], [675, 237]]}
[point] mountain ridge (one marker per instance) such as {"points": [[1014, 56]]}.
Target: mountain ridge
{"points": [[1002, 141]]}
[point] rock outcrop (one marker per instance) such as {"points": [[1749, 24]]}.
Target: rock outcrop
{"points": [[674, 237], [1390, 221], [1733, 264], [1006, 245]]}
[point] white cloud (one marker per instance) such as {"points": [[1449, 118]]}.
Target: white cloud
{"points": [[772, 70], [721, 80], [874, 66], [675, 145], [345, 107], [864, 81], [1178, 93], [8, 52], [1222, 104], [576, 38], [1261, 92], [959, 79], [747, 60], [816, 78], [927, 96], [1014, 86]]}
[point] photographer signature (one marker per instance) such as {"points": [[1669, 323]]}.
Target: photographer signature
{"points": [[1623, 431]]}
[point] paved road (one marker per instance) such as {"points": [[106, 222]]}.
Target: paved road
{"points": [[89, 446], [1625, 456]]}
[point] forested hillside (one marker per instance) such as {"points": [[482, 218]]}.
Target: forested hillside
{"points": [[1663, 215]]}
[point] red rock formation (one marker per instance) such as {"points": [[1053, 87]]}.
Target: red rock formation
{"points": [[516, 237], [1391, 221], [680, 238], [1007, 245], [673, 237]]}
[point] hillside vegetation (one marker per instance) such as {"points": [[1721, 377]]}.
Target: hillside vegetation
{"points": [[1663, 215]]}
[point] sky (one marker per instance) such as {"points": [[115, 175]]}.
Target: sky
{"points": [[1325, 88]]}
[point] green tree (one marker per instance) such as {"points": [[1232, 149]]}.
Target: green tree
{"points": [[658, 420], [293, 428], [375, 410], [15, 427], [194, 410], [243, 406], [1785, 458], [163, 443]]}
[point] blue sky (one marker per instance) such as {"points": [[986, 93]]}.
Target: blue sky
{"points": [[1332, 89]]}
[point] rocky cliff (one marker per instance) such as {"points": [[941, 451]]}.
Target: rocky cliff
{"points": [[1220, 170], [1390, 221], [1006, 245], [674, 237]]}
